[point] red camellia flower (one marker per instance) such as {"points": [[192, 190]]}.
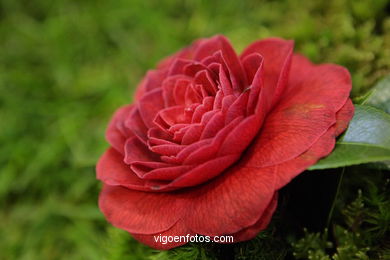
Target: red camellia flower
{"points": [[212, 137]]}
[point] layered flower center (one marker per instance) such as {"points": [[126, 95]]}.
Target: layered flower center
{"points": [[189, 122]]}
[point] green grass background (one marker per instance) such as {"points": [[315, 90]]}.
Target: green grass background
{"points": [[65, 66]]}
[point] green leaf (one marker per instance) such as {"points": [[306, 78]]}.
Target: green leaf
{"points": [[366, 140], [362, 100], [369, 125], [347, 154], [380, 97]]}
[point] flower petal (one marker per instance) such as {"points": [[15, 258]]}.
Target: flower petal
{"points": [[225, 205], [167, 173], [149, 105], [286, 171], [261, 224], [305, 112], [321, 148], [220, 43], [288, 132], [344, 116], [277, 55], [185, 53], [112, 171], [203, 172], [179, 229], [114, 135], [135, 123], [232, 202], [137, 151], [251, 64], [317, 83], [153, 79], [140, 212]]}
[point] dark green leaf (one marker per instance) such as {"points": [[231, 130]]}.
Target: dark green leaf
{"points": [[380, 97], [346, 154], [366, 140], [369, 125]]}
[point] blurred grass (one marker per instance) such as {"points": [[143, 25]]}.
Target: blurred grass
{"points": [[65, 66]]}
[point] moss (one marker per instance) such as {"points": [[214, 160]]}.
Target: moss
{"points": [[361, 233]]}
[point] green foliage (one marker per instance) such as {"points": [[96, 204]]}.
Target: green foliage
{"points": [[120, 245], [65, 66], [366, 140], [362, 236], [363, 99], [369, 125], [262, 247], [190, 252], [380, 96], [346, 154], [313, 246]]}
